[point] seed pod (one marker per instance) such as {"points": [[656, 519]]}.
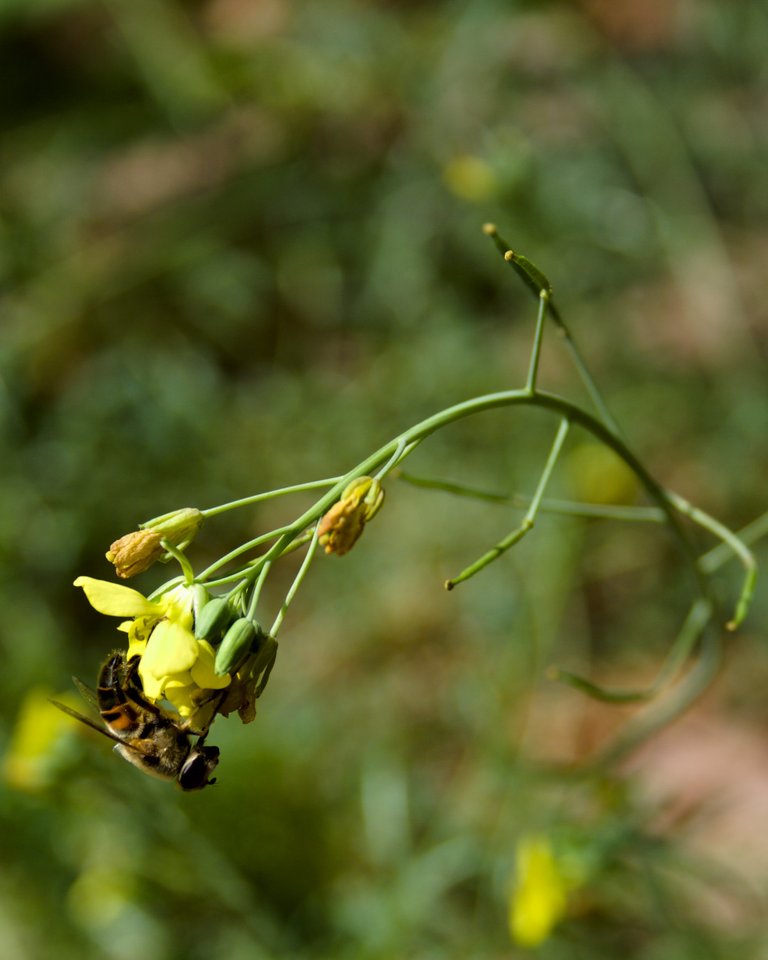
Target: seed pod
{"points": [[214, 619], [530, 273], [236, 645]]}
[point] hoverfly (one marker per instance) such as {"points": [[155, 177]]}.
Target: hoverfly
{"points": [[144, 734]]}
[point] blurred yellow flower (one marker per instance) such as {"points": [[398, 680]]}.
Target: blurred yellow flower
{"points": [[39, 728], [597, 475], [174, 665], [470, 178], [100, 895], [539, 896]]}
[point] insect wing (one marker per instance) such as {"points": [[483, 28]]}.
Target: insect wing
{"points": [[97, 727], [86, 692]]}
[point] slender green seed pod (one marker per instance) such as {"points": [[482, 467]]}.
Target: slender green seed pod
{"points": [[213, 619], [530, 271], [236, 645]]}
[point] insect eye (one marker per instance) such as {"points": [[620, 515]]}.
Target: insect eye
{"points": [[198, 767]]}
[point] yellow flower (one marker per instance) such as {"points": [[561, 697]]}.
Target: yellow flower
{"points": [[175, 665], [539, 896], [471, 178], [31, 754]]}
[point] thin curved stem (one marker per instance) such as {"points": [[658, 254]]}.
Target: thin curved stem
{"points": [[534, 284], [492, 401], [683, 694], [305, 565], [239, 551], [254, 602], [533, 367], [393, 460], [571, 508], [678, 655], [717, 556], [528, 520], [734, 543], [269, 495], [181, 558]]}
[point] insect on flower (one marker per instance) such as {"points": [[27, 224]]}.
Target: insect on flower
{"points": [[145, 735]]}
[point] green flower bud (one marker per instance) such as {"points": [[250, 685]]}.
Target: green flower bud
{"points": [[213, 619], [179, 527], [236, 645], [200, 597]]}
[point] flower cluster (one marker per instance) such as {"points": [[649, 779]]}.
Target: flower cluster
{"points": [[175, 665]]}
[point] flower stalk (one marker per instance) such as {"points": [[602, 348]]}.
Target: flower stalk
{"points": [[197, 642]]}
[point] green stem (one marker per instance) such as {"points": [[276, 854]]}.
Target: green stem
{"points": [[533, 368], [269, 495], [567, 410], [186, 566], [528, 520], [719, 555], [739, 548], [393, 460], [683, 694], [165, 587], [254, 603], [680, 651], [493, 401], [572, 508], [296, 583], [246, 574], [239, 551], [578, 361]]}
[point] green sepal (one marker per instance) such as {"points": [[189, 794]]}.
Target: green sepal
{"points": [[214, 618], [200, 598], [236, 645]]}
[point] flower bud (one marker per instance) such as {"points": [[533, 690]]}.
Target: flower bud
{"points": [[236, 644], [213, 619], [135, 552], [177, 527], [342, 525]]}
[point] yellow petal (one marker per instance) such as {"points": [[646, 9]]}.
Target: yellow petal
{"points": [[150, 684], [203, 672], [116, 600], [178, 680], [171, 649], [177, 604], [136, 648], [182, 698]]}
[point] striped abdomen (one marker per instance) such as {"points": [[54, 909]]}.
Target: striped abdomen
{"points": [[121, 701]]}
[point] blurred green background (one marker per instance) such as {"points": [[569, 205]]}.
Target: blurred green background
{"points": [[240, 248]]}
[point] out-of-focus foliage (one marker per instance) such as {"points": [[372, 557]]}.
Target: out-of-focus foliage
{"points": [[240, 248]]}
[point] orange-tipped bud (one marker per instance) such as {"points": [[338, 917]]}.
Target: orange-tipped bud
{"points": [[135, 552], [342, 525]]}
